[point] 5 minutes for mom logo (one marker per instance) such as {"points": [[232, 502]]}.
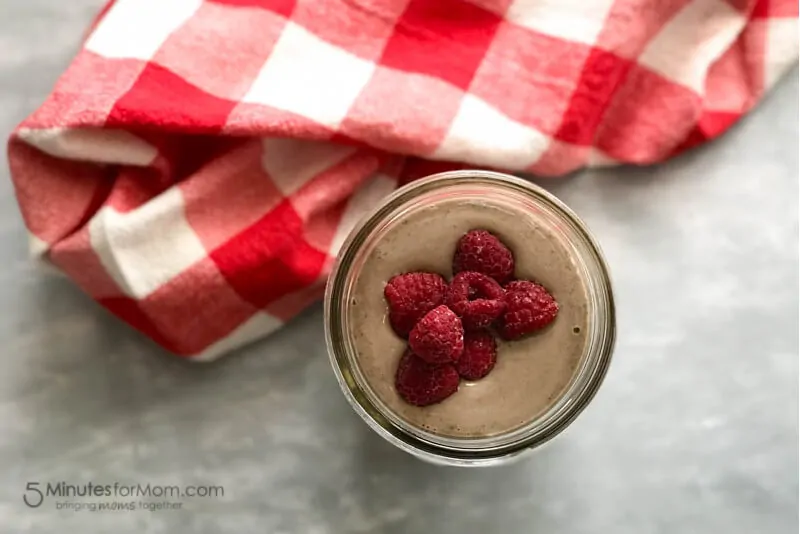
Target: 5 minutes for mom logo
{"points": [[91, 496]]}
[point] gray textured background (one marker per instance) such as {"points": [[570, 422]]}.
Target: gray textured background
{"points": [[695, 430]]}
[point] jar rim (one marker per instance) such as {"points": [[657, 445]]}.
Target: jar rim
{"points": [[465, 451]]}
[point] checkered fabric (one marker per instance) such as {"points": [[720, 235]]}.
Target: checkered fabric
{"points": [[199, 164]]}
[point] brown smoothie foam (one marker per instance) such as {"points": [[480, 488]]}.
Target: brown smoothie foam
{"points": [[530, 373]]}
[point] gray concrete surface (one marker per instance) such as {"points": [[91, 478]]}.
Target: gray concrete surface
{"points": [[695, 430]]}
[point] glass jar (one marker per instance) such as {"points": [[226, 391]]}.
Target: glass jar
{"points": [[480, 186]]}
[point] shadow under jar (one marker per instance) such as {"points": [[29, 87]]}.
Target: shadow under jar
{"points": [[540, 383]]}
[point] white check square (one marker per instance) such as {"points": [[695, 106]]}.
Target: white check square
{"points": [[482, 135], [310, 77], [685, 48], [780, 50], [136, 29], [291, 163], [137, 260], [575, 20]]}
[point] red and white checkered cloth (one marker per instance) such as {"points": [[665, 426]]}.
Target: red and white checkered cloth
{"points": [[198, 165]]}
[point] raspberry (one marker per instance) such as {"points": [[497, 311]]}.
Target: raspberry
{"points": [[410, 297], [529, 307], [481, 251], [480, 355], [438, 337], [421, 383], [476, 298]]}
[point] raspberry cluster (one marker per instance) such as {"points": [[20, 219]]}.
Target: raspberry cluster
{"points": [[450, 327]]}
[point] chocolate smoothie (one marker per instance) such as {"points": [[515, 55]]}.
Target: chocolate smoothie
{"points": [[530, 373]]}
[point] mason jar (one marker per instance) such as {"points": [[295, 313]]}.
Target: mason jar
{"points": [[368, 391]]}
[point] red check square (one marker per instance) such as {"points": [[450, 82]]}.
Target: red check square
{"points": [[602, 75], [228, 195], [161, 98], [281, 7], [67, 193], [75, 256], [270, 121], [536, 91], [446, 39], [775, 9], [362, 28], [193, 319], [236, 41], [130, 311], [272, 249], [648, 118], [135, 186], [418, 119], [87, 92]]}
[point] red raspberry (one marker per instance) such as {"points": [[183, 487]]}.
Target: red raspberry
{"points": [[481, 251], [529, 307], [421, 383], [438, 337], [476, 298], [410, 297], [480, 355]]}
